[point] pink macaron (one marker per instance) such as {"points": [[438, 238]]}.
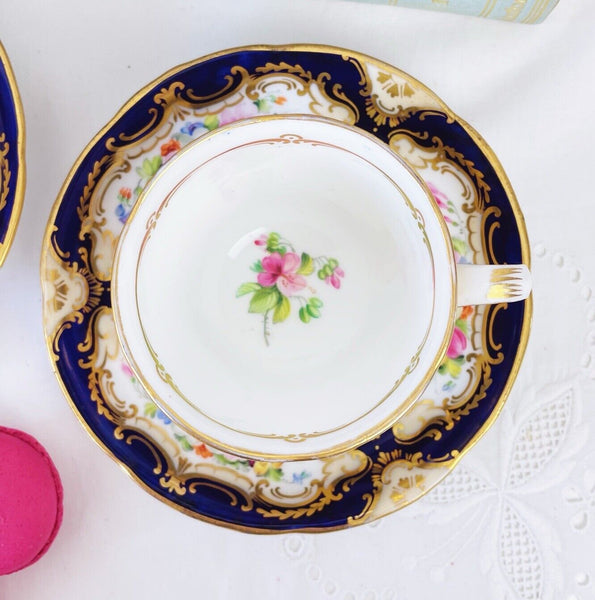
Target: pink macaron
{"points": [[30, 500]]}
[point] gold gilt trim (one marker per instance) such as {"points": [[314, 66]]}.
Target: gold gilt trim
{"points": [[415, 476], [478, 367], [328, 490], [4, 170], [506, 283], [368, 499], [399, 86], [19, 184], [448, 153]]}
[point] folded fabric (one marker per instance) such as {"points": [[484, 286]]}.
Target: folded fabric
{"points": [[520, 11]]}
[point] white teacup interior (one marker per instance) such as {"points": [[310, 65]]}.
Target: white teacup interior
{"points": [[276, 288]]}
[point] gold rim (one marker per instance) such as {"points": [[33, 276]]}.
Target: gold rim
{"points": [[19, 194], [478, 140]]}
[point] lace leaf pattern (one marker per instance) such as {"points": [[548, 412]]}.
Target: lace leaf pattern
{"points": [[520, 555]]}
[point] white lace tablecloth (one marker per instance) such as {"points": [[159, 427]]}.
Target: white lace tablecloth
{"points": [[516, 519]]}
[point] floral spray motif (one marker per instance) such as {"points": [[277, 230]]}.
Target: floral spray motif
{"points": [[282, 279]]}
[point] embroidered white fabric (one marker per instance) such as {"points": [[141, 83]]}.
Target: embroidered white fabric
{"points": [[516, 519]]}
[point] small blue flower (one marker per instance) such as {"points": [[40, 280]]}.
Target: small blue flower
{"points": [[161, 415], [299, 478], [448, 386], [189, 128], [122, 213]]}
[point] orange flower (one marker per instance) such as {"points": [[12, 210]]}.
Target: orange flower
{"points": [[203, 451], [126, 193], [466, 311], [169, 147], [280, 100]]}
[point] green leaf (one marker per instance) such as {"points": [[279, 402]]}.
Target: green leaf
{"points": [[274, 474], [462, 325], [273, 242], [315, 302], [150, 409], [211, 122], [307, 265], [264, 300], [304, 316], [257, 267], [333, 263], [259, 103], [149, 167], [321, 274], [183, 441], [312, 311], [282, 310], [460, 246], [248, 288]]}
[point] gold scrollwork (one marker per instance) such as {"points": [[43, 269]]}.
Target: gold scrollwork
{"points": [[399, 478], [391, 97], [4, 170], [435, 419], [339, 474], [183, 477], [305, 84], [445, 153]]}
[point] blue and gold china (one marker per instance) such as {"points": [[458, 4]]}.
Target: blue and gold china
{"points": [[467, 391], [12, 156]]}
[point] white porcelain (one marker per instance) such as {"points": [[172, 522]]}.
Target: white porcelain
{"points": [[345, 318]]}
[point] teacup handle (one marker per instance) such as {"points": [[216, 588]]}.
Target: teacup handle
{"points": [[492, 284]]}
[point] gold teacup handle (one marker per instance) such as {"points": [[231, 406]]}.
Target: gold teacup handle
{"points": [[492, 284]]}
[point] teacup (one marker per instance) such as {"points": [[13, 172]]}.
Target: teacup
{"points": [[286, 288]]}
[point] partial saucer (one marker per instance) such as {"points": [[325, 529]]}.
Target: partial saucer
{"points": [[463, 398], [12, 156]]}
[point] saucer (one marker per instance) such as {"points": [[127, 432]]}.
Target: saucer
{"points": [[12, 155], [398, 466]]}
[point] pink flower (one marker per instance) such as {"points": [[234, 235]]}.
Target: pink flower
{"points": [[127, 370], [333, 279], [243, 110], [441, 200], [458, 343], [262, 240], [281, 270]]}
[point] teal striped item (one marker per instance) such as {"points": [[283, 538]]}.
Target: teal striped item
{"points": [[519, 11]]}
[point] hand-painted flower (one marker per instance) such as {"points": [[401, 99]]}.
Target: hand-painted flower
{"points": [[281, 270], [458, 343], [203, 451], [334, 278], [170, 148], [441, 200], [261, 240], [243, 110]]}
